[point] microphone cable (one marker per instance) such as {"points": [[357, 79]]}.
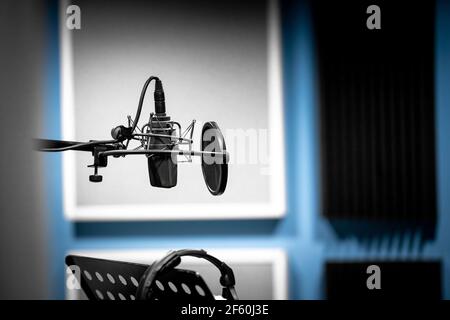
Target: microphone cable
{"points": [[159, 100]]}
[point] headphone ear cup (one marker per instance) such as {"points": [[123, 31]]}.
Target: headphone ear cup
{"points": [[229, 293], [226, 293]]}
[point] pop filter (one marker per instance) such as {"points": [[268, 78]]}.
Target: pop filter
{"points": [[214, 167]]}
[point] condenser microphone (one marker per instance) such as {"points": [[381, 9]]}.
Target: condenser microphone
{"points": [[162, 168]]}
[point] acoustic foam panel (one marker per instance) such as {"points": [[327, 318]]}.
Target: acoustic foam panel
{"points": [[377, 110]]}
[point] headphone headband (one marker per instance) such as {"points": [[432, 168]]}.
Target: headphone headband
{"points": [[171, 260]]}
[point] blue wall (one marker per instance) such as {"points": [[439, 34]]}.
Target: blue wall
{"points": [[442, 244], [307, 238]]}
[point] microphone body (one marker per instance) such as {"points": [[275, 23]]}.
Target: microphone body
{"points": [[162, 169]]}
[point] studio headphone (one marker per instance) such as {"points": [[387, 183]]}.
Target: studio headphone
{"points": [[173, 259]]}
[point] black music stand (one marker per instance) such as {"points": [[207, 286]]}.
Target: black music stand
{"points": [[102, 279]]}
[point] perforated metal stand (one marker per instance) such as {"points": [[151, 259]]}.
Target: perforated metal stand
{"points": [[102, 279]]}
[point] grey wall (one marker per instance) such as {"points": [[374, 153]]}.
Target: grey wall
{"points": [[23, 244]]}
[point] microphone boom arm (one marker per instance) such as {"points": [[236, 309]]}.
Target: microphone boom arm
{"points": [[165, 152]]}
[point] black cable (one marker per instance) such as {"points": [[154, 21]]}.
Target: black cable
{"points": [[79, 145], [141, 101]]}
